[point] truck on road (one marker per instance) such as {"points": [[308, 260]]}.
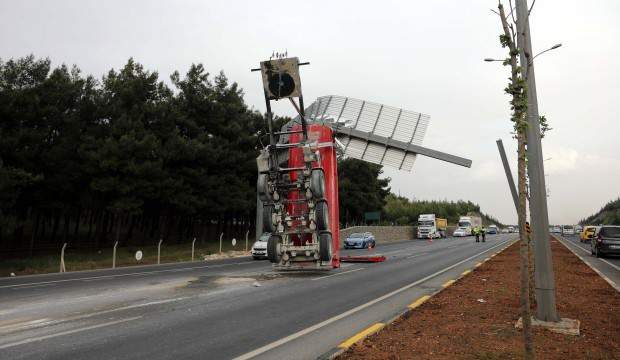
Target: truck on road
{"points": [[430, 227], [470, 222]]}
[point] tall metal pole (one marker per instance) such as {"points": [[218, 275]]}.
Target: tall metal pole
{"points": [[543, 266], [511, 180]]}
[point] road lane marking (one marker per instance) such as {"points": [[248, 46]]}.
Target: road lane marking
{"points": [[340, 273], [590, 252], [419, 302], [123, 275], [361, 335], [349, 312], [46, 322], [68, 332], [588, 263], [478, 265], [610, 264], [465, 272], [34, 286], [448, 283]]}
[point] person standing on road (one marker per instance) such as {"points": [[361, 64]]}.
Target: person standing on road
{"points": [[483, 232], [477, 233]]}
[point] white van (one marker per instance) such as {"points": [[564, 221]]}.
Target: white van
{"points": [[568, 230]]}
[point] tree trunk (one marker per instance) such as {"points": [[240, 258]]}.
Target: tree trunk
{"points": [[33, 235], [518, 92], [524, 294]]}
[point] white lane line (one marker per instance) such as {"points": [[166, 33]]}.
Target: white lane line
{"points": [[34, 286], [68, 332], [589, 252], [46, 322], [324, 323], [414, 256], [610, 264], [340, 273], [128, 274]]}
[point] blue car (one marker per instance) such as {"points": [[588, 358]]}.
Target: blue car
{"points": [[359, 241]]}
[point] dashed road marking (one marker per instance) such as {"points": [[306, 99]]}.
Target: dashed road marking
{"points": [[361, 335], [68, 332], [448, 283], [340, 273], [419, 302]]}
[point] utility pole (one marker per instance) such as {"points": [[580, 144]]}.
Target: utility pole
{"points": [[511, 181], [543, 266]]}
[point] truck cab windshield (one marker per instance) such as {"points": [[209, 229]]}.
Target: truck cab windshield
{"points": [[464, 223]]}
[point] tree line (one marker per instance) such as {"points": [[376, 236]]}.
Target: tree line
{"points": [[608, 215], [402, 211], [126, 157], [89, 161]]}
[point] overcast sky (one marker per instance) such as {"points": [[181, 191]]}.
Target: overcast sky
{"points": [[424, 56]]}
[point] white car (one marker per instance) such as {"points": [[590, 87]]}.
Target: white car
{"points": [[461, 231], [259, 249]]}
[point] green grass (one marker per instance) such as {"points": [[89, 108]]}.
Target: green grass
{"points": [[125, 256]]}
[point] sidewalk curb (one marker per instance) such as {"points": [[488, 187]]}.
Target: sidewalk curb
{"points": [[408, 311], [609, 281]]}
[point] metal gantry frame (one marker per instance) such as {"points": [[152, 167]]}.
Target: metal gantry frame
{"points": [[392, 135]]}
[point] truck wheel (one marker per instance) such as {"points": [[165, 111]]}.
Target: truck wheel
{"points": [[317, 183], [268, 218], [272, 248], [262, 186], [325, 246], [322, 215]]}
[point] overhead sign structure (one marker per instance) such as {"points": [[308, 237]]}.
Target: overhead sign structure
{"points": [[281, 78], [376, 133]]}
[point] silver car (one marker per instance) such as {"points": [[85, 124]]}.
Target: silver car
{"points": [[360, 241]]}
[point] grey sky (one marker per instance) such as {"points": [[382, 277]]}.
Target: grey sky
{"points": [[421, 55]]}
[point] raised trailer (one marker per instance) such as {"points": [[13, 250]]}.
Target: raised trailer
{"points": [[297, 172], [303, 216]]}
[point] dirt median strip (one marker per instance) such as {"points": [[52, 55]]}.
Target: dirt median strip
{"points": [[338, 351], [475, 318]]}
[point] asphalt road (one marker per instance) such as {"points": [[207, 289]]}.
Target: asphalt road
{"points": [[608, 266], [234, 308]]}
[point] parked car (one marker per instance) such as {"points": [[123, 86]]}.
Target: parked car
{"points": [[360, 241], [578, 229], [259, 249], [557, 230], [587, 233], [505, 231], [461, 231], [492, 229], [606, 241]]}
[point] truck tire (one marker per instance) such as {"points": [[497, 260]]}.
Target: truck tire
{"points": [[272, 248], [317, 183], [262, 186], [268, 225], [322, 215], [325, 246]]}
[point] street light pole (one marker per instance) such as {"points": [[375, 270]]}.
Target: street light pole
{"points": [[543, 274]]}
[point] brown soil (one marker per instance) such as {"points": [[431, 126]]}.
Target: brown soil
{"points": [[454, 324]]}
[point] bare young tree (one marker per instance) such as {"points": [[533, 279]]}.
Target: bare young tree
{"points": [[518, 91]]}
